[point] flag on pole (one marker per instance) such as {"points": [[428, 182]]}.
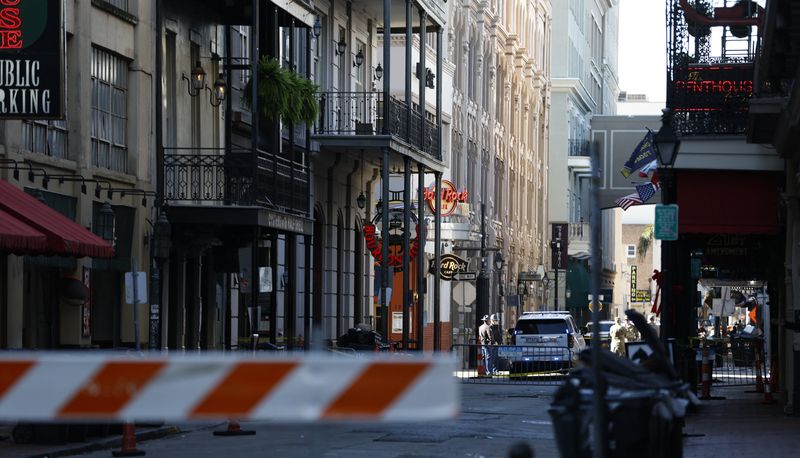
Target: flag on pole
{"points": [[648, 168], [643, 155], [626, 201], [646, 190]]}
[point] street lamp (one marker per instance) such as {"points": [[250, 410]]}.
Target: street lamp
{"points": [[499, 262], [667, 144], [555, 246]]}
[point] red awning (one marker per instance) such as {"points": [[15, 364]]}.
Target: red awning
{"points": [[64, 236], [727, 202], [18, 237]]}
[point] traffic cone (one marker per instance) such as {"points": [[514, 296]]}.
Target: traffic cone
{"points": [[234, 430], [481, 369], [128, 442], [706, 370], [768, 399]]}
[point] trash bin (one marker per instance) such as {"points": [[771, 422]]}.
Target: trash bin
{"points": [[743, 351]]}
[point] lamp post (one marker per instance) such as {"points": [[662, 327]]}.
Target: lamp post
{"points": [[667, 145], [555, 246], [499, 262], [161, 246]]}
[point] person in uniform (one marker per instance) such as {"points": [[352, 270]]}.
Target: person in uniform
{"points": [[617, 333]]}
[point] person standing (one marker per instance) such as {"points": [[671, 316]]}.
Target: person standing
{"points": [[631, 333], [486, 338], [618, 333], [497, 331]]}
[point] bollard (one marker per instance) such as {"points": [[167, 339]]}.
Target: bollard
{"points": [[234, 430], [128, 442], [706, 369], [759, 378]]}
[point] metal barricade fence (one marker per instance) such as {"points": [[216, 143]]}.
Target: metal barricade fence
{"points": [[733, 360], [512, 364]]}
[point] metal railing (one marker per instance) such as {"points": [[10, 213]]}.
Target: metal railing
{"points": [[513, 364], [578, 147], [361, 113], [733, 362], [211, 176]]}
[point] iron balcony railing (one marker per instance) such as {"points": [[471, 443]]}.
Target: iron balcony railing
{"points": [[212, 176], [361, 113], [578, 148]]}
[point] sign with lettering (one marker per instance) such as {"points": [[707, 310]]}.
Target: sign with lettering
{"points": [[712, 87], [633, 281], [450, 197], [641, 295], [31, 59], [375, 246], [449, 266]]}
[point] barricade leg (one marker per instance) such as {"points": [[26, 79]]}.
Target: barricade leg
{"points": [[234, 429], [706, 370], [128, 442], [759, 378]]}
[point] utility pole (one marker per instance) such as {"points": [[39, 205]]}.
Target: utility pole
{"points": [[482, 285]]}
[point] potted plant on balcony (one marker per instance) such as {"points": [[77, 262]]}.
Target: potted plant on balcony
{"points": [[283, 94]]}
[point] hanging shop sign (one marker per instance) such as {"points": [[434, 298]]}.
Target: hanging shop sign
{"points": [[706, 87], [449, 266], [450, 197], [375, 246], [633, 282], [31, 59]]}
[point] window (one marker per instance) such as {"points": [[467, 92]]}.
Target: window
{"points": [[631, 250], [45, 137], [109, 108]]}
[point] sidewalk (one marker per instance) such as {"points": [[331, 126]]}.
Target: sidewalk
{"points": [[8, 449], [741, 426]]}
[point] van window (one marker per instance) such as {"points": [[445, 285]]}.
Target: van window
{"points": [[552, 326]]}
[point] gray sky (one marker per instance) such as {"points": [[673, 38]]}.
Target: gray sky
{"points": [[642, 48]]}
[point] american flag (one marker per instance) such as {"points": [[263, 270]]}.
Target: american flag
{"points": [[627, 201], [646, 191]]}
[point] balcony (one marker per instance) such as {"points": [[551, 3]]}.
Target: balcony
{"points": [[579, 238], [361, 114], [578, 148], [209, 176]]}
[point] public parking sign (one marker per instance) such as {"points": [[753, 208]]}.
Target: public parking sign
{"points": [[666, 227]]}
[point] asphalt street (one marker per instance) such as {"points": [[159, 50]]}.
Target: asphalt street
{"points": [[493, 418]]}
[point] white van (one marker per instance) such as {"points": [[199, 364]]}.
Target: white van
{"points": [[545, 341]]}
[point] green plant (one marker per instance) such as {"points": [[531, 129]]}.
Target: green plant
{"points": [[645, 240], [705, 9], [283, 94]]}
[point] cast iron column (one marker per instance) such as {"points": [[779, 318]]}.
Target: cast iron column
{"points": [[482, 285], [422, 235], [437, 263], [406, 248]]}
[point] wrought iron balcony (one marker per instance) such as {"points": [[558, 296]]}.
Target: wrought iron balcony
{"points": [[361, 113], [578, 147], [210, 176]]}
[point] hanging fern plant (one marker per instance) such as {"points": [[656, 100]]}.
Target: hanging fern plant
{"points": [[705, 9], [283, 94], [645, 240]]}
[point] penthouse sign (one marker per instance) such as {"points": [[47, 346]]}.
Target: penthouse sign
{"points": [[31, 59]]}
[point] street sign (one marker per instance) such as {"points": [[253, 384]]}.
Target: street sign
{"points": [[591, 307], [464, 293], [466, 276], [666, 222], [141, 288]]}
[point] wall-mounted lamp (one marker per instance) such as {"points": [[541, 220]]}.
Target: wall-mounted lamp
{"points": [[197, 81], [379, 72], [317, 29], [285, 277], [217, 95], [430, 77], [359, 59], [341, 46], [361, 200]]}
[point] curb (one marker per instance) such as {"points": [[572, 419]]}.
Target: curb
{"points": [[111, 443]]}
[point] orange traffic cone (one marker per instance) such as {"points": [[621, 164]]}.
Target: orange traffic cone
{"points": [[128, 442], [234, 430], [481, 369]]}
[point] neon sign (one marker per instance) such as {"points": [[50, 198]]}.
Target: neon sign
{"points": [[701, 87], [375, 246], [450, 197]]}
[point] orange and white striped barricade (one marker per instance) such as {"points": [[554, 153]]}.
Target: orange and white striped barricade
{"points": [[295, 388]]}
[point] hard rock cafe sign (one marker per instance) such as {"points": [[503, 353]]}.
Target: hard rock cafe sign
{"points": [[450, 197]]}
